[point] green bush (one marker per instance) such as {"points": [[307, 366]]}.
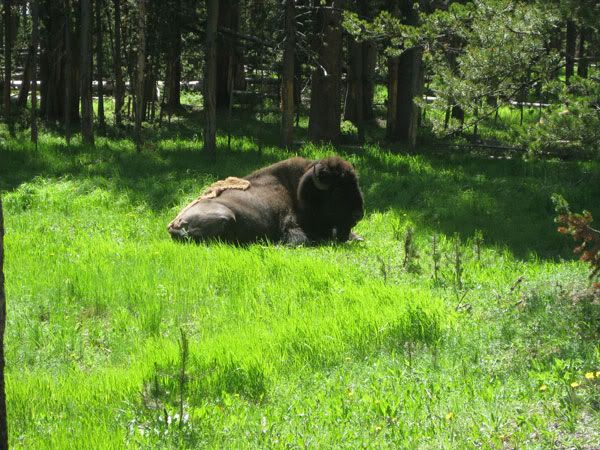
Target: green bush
{"points": [[574, 128]]}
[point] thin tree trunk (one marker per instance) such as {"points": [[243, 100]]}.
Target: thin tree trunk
{"points": [[392, 100], [447, 117], [362, 59], [35, 37], [7, 64], [141, 62], [210, 80], [68, 71], [87, 130], [369, 66], [325, 98], [25, 85], [354, 107], [119, 85], [582, 65], [228, 52], [100, 64], [570, 45], [3, 421], [287, 84], [392, 85], [173, 75]]}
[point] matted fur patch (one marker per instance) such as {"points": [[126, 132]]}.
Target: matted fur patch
{"points": [[213, 191]]}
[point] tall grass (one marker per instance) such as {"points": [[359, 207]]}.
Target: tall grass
{"points": [[329, 346]]}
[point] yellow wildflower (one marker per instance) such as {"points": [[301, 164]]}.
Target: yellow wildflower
{"points": [[589, 375], [575, 384], [543, 387], [598, 374], [450, 416]]}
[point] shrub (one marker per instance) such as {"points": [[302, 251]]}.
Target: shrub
{"points": [[579, 226], [574, 128]]}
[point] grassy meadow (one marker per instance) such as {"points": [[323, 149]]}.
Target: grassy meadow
{"points": [[461, 321]]}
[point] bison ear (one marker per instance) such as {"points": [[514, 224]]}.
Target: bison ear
{"points": [[321, 177]]}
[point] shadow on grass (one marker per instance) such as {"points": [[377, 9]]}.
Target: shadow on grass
{"points": [[508, 200]]}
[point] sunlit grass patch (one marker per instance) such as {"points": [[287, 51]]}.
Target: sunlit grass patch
{"points": [[330, 346]]}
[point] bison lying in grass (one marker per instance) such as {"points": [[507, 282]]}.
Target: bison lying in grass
{"points": [[295, 201]]}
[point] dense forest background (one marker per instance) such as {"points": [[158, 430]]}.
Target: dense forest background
{"points": [[492, 72]]}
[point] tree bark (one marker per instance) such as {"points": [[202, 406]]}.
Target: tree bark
{"points": [[100, 64], [410, 78], [354, 105], [571, 42], [119, 85], [362, 58], [8, 43], [369, 65], [392, 85], [3, 419], [408, 85], [228, 53], [140, 76], [287, 84], [325, 97], [87, 130], [68, 71], [583, 63], [392, 100], [25, 84], [35, 37], [210, 80], [53, 62], [173, 75]]}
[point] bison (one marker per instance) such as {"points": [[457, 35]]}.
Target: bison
{"points": [[295, 201]]}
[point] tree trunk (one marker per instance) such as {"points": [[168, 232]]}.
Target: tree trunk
{"points": [[25, 83], [325, 97], [35, 37], [119, 85], [410, 78], [571, 42], [409, 85], [362, 59], [354, 105], [228, 52], [100, 64], [210, 80], [54, 60], [3, 421], [8, 43], [87, 130], [68, 71], [392, 100], [140, 76], [582, 65], [392, 86], [173, 75], [369, 65], [287, 84]]}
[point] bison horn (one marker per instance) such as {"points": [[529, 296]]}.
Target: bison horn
{"points": [[319, 183]]}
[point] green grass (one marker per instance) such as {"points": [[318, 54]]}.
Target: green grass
{"points": [[331, 346]]}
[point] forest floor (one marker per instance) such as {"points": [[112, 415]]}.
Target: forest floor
{"points": [[481, 335]]}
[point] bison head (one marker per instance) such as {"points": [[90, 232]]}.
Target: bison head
{"points": [[330, 200]]}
